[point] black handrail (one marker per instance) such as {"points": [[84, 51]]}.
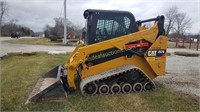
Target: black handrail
{"points": [[160, 20]]}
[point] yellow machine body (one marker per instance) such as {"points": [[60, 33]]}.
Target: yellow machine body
{"points": [[152, 65], [118, 56]]}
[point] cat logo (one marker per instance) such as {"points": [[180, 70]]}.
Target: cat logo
{"points": [[155, 53], [152, 53]]}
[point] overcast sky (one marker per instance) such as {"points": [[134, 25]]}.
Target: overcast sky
{"points": [[35, 14]]}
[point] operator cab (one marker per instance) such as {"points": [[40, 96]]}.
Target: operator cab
{"points": [[103, 25]]}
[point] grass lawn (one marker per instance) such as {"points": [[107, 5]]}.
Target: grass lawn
{"points": [[34, 41], [20, 74], [171, 44]]}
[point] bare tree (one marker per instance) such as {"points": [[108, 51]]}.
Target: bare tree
{"points": [[182, 24], [47, 30], [3, 11], [177, 23], [57, 31], [170, 18], [9, 27], [58, 28]]}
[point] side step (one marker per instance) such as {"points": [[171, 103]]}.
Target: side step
{"points": [[48, 88]]}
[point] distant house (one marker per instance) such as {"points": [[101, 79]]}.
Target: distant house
{"points": [[71, 35]]}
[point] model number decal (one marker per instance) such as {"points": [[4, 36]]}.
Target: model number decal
{"points": [[155, 53]]}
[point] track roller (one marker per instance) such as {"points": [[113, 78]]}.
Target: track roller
{"points": [[137, 87], [104, 89], [123, 79], [148, 86], [126, 88], [91, 88], [115, 88]]}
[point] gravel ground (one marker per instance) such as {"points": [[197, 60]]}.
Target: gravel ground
{"points": [[182, 75]]}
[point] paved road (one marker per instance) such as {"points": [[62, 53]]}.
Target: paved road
{"points": [[7, 47]]}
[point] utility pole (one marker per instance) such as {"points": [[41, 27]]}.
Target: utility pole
{"points": [[65, 24], [0, 28]]}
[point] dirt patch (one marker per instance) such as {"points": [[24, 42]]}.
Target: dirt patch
{"points": [[188, 54], [23, 53]]}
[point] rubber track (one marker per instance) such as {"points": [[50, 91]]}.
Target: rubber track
{"points": [[108, 74]]}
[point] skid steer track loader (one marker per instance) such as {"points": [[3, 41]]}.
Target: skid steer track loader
{"points": [[119, 56]]}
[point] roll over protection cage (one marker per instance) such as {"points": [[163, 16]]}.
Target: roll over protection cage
{"points": [[160, 20]]}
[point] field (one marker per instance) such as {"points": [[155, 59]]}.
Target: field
{"points": [[34, 41], [180, 44], [20, 73], [41, 41]]}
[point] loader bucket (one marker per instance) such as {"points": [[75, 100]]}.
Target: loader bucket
{"points": [[48, 88]]}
